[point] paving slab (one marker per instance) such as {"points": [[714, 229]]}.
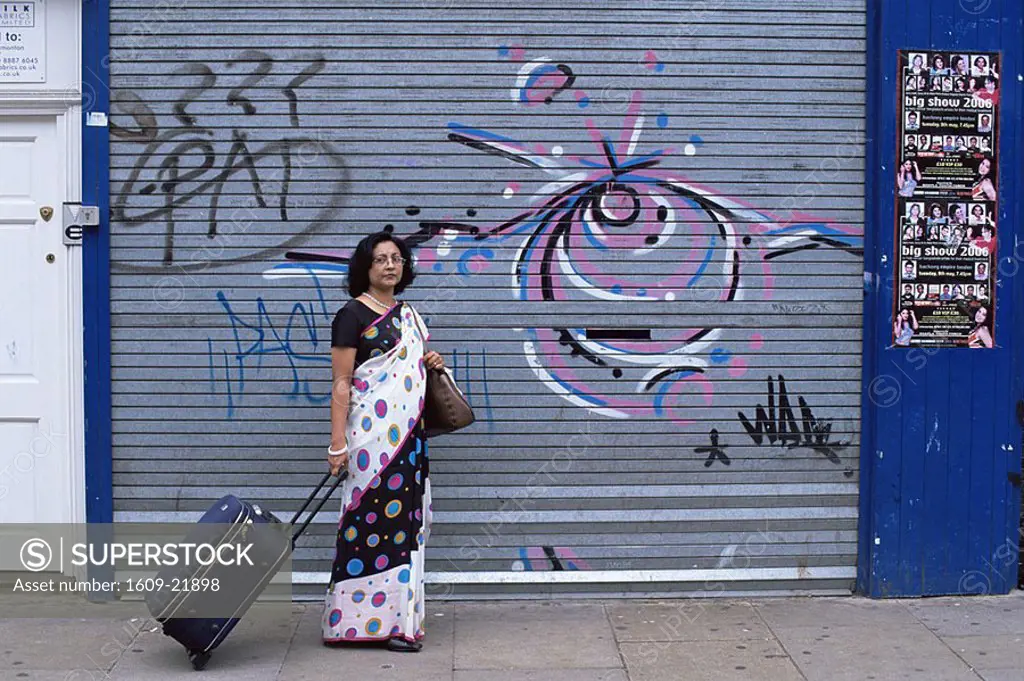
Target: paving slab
{"points": [[999, 674], [541, 675], [64, 644], [50, 675], [708, 661], [67, 606], [687, 620], [310, 660], [832, 613], [976, 616], [548, 635], [846, 653], [784, 639], [990, 652], [254, 651]]}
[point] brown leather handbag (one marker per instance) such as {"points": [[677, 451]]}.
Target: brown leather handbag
{"points": [[445, 408]]}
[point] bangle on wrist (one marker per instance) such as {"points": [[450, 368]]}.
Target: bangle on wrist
{"points": [[336, 452]]}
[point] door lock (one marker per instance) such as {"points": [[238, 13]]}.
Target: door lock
{"points": [[46, 212], [76, 218]]}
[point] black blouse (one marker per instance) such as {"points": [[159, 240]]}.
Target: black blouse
{"points": [[349, 324]]}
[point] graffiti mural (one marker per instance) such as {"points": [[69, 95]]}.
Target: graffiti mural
{"points": [[548, 558], [619, 207]]}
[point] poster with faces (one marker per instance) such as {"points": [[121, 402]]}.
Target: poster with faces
{"points": [[946, 199]]}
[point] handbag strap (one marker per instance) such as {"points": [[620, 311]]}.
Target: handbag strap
{"points": [[423, 333]]}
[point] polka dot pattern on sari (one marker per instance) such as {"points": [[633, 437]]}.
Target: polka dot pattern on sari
{"points": [[373, 568]]}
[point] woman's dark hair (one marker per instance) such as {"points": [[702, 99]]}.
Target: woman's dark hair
{"points": [[988, 317], [991, 169], [362, 260]]}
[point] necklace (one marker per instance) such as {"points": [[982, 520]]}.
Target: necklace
{"points": [[368, 295]]}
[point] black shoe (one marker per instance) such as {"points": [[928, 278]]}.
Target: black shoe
{"points": [[400, 645]]}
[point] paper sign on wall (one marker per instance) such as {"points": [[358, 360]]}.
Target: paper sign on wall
{"points": [[946, 203], [23, 42]]}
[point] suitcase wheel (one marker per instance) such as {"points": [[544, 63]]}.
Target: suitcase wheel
{"points": [[198, 660]]}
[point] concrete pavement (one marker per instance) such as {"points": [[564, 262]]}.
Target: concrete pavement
{"points": [[783, 639]]}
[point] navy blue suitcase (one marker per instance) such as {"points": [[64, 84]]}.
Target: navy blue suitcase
{"points": [[201, 635]]}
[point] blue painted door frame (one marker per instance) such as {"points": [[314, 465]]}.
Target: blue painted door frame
{"points": [[941, 459], [99, 507]]}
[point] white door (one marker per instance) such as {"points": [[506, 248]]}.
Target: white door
{"points": [[34, 355]]}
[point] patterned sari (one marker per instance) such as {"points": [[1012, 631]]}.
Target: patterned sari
{"points": [[376, 588]]}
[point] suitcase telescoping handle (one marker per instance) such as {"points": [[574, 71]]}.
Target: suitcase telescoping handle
{"points": [[320, 504]]}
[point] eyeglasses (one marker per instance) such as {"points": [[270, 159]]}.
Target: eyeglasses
{"points": [[384, 260]]}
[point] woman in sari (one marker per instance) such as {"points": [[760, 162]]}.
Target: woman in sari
{"points": [[379, 361]]}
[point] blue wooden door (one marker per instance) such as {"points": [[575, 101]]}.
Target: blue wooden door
{"points": [[941, 459]]}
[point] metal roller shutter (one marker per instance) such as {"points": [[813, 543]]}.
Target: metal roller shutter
{"points": [[640, 246]]}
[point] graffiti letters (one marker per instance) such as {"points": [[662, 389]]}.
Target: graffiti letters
{"points": [[466, 375], [714, 451], [779, 425], [297, 340], [187, 174]]}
